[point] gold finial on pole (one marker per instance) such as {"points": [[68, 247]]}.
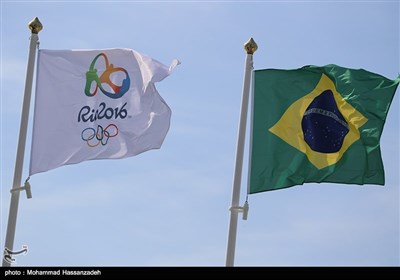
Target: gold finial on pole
{"points": [[35, 26], [250, 46]]}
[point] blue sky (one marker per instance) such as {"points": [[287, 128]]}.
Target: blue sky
{"points": [[169, 207]]}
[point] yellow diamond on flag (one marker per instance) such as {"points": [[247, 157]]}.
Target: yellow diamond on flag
{"points": [[320, 124]]}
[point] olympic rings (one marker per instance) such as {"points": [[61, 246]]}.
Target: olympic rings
{"points": [[94, 137]]}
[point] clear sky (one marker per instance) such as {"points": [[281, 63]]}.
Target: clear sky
{"points": [[169, 207]]}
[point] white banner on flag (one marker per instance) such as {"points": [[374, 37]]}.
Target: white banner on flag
{"points": [[96, 104]]}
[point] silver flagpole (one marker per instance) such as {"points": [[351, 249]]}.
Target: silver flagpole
{"points": [[250, 47], [35, 26]]}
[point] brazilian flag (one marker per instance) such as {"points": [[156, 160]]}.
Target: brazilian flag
{"points": [[318, 124]]}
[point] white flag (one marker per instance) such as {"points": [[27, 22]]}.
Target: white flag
{"points": [[96, 104]]}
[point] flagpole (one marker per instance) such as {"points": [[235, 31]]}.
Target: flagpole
{"points": [[35, 26], [250, 47]]}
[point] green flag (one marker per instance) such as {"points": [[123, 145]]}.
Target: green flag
{"points": [[318, 124]]}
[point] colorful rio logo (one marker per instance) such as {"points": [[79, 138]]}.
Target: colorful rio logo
{"points": [[113, 91], [108, 84]]}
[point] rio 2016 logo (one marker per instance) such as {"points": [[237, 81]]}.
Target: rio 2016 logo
{"points": [[115, 90], [94, 82]]}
